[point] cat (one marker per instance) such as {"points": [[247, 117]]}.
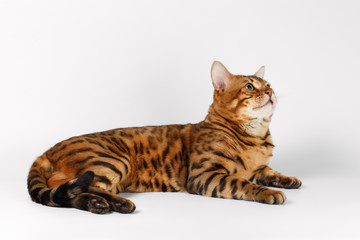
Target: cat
{"points": [[224, 156]]}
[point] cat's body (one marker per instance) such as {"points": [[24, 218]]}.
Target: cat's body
{"points": [[226, 155]]}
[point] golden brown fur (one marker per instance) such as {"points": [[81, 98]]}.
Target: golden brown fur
{"points": [[226, 155]]}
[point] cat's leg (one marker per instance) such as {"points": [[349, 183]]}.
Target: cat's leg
{"points": [[116, 203], [216, 184], [74, 193], [268, 177], [99, 200], [108, 175], [98, 195]]}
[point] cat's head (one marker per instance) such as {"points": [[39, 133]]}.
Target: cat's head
{"points": [[240, 98]]}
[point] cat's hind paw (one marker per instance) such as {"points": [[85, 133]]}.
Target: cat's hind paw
{"points": [[123, 206], [91, 202], [98, 205]]}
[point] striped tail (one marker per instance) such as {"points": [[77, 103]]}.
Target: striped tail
{"points": [[60, 196]]}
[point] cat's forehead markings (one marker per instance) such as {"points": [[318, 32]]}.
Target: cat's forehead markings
{"points": [[255, 81]]}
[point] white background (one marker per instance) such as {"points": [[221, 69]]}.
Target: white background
{"points": [[74, 67]]}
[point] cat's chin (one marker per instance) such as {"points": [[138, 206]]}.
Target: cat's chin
{"points": [[269, 103], [263, 111]]}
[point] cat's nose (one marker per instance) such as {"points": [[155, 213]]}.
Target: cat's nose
{"points": [[268, 92]]}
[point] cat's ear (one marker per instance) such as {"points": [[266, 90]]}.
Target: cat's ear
{"points": [[220, 76], [260, 73]]}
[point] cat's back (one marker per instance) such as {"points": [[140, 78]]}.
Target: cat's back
{"points": [[133, 140]]}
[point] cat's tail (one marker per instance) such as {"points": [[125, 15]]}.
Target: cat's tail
{"points": [[60, 196]]}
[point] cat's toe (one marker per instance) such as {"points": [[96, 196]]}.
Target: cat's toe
{"points": [[297, 183], [98, 205], [279, 197], [294, 183]]}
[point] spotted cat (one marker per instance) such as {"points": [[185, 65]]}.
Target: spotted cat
{"points": [[226, 155]]}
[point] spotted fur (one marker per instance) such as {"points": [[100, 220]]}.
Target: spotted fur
{"points": [[225, 156]]}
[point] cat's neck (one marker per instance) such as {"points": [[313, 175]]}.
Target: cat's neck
{"points": [[252, 127]]}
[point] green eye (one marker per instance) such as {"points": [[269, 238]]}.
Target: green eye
{"points": [[250, 87]]}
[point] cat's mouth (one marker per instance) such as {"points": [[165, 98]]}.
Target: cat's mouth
{"points": [[269, 102]]}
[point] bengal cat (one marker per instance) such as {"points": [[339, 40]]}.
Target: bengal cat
{"points": [[224, 156]]}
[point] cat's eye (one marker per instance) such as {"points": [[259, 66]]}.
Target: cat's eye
{"points": [[250, 87]]}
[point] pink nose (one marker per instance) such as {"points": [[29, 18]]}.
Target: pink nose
{"points": [[268, 92]]}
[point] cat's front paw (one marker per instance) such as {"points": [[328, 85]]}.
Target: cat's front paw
{"points": [[270, 196], [290, 182], [280, 181]]}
